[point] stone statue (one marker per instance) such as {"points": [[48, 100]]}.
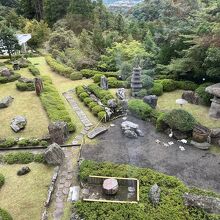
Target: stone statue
{"points": [[38, 86], [104, 83]]}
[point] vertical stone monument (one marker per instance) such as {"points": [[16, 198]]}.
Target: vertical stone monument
{"points": [[136, 84], [38, 85], [104, 83]]}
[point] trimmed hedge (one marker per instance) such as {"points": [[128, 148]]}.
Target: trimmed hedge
{"points": [[34, 70], [139, 109], [8, 143], [23, 158], [171, 206], [97, 109], [54, 105], [187, 85], [179, 119], [157, 89], [2, 180], [97, 77], [114, 83], [169, 85], [101, 116], [4, 215], [76, 76], [203, 95], [22, 86], [13, 78], [90, 73]]}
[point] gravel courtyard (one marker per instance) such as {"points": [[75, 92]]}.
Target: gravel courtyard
{"points": [[193, 166]]}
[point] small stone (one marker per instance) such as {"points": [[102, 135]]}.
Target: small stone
{"points": [[59, 199], [59, 205], [65, 191], [130, 134], [6, 101], [23, 171], [67, 184], [139, 133], [154, 194], [62, 180], [59, 193], [18, 123]]}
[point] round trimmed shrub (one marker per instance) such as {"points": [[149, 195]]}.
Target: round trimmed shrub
{"points": [[8, 143], [2, 180], [157, 89], [97, 109], [169, 85], [97, 78], [87, 100], [203, 95], [180, 120], [186, 85], [102, 115], [4, 215], [147, 81], [142, 93], [76, 76], [139, 109], [21, 86], [83, 95], [79, 90], [92, 104]]}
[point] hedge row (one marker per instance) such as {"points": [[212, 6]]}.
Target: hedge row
{"points": [[34, 70], [171, 204], [4, 215], [11, 142], [62, 69], [54, 105], [22, 86], [94, 107], [23, 158], [12, 78], [90, 73]]}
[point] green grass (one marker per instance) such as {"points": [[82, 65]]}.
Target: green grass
{"points": [[26, 104], [23, 196], [167, 102]]}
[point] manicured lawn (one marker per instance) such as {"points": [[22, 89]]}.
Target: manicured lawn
{"points": [[167, 102], [26, 104], [24, 196]]}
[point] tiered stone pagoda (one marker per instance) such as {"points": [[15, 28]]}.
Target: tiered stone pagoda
{"points": [[136, 84]]}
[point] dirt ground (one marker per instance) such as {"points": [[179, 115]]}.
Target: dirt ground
{"points": [[193, 166]]}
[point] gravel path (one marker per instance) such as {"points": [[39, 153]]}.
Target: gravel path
{"points": [[193, 166]]}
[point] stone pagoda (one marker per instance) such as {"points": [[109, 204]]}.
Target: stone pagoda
{"points": [[136, 84]]}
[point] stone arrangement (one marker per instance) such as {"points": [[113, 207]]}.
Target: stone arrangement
{"points": [[151, 100], [6, 101], [154, 194], [18, 123], [136, 84], [214, 110], [110, 186], [23, 171], [54, 154], [131, 130], [58, 132], [190, 97], [104, 83]]}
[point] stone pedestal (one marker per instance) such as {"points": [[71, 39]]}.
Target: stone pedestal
{"points": [[58, 132], [110, 186]]}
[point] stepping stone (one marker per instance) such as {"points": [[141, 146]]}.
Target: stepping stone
{"points": [[63, 173], [59, 199], [69, 177], [60, 186], [59, 193], [67, 184], [87, 128], [66, 191], [75, 142], [58, 213], [59, 205], [62, 180], [97, 131]]}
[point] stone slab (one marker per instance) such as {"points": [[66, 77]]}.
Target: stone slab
{"points": [[97, 131]]}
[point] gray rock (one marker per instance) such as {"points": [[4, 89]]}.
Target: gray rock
{"points": [[112, 103], [6, 101], [130, 134], [151, 100], [191, 97], [139, 133], [5, 72], [104, 83], [209, 204], [54, 154], [128, 125], [215, 132], [154, 194], [214, 89], [18, 123], [25, 80], [97, 131], [120, 93], [123, 104], [23, 171], [202, 146]]}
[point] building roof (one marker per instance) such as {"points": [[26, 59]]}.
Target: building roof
{"points": [[23, 38]]}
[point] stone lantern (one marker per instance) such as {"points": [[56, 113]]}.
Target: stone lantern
{"points": [[136, 84]]}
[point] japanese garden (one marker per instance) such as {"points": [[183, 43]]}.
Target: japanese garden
{"points": [[109, 110]]}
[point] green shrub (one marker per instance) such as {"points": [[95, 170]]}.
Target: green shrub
{"points": [[203, 95], [8, 143], [53, 104], [97, 78], [186, 85], [92, 104], [96, 109], [142, 93], [90, 73], [87, 100], [76, 76], [21, 86], [102, 115], [83, 95], [157, 89], [39, 158], [2, 180], [12, 78], [4, 215], [147, 81], [23, 142], [59, 67], [34, 70], [114, 83], [139, 108], [179, 119], [43, 143], [19, 158], [160, 124], [169, 85], [79, 90]]}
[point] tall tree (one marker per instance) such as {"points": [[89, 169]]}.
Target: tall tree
{"points": [[8, 41], [9, 3]]}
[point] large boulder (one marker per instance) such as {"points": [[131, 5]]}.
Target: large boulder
{"points": [[58, 132], [5, 72], [23, 171], [131, 130], [110, 186], [154, 194], [6, 101], [200, 133], [18, 123], [191, 97], [151, 100], [209, 204], [54, 154], [25, 80]]}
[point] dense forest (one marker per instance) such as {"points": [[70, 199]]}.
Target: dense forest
{"points": [[168, 39]]}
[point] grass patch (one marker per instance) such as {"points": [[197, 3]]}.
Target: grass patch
{"points": [[23, 197], [167, 102]]}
